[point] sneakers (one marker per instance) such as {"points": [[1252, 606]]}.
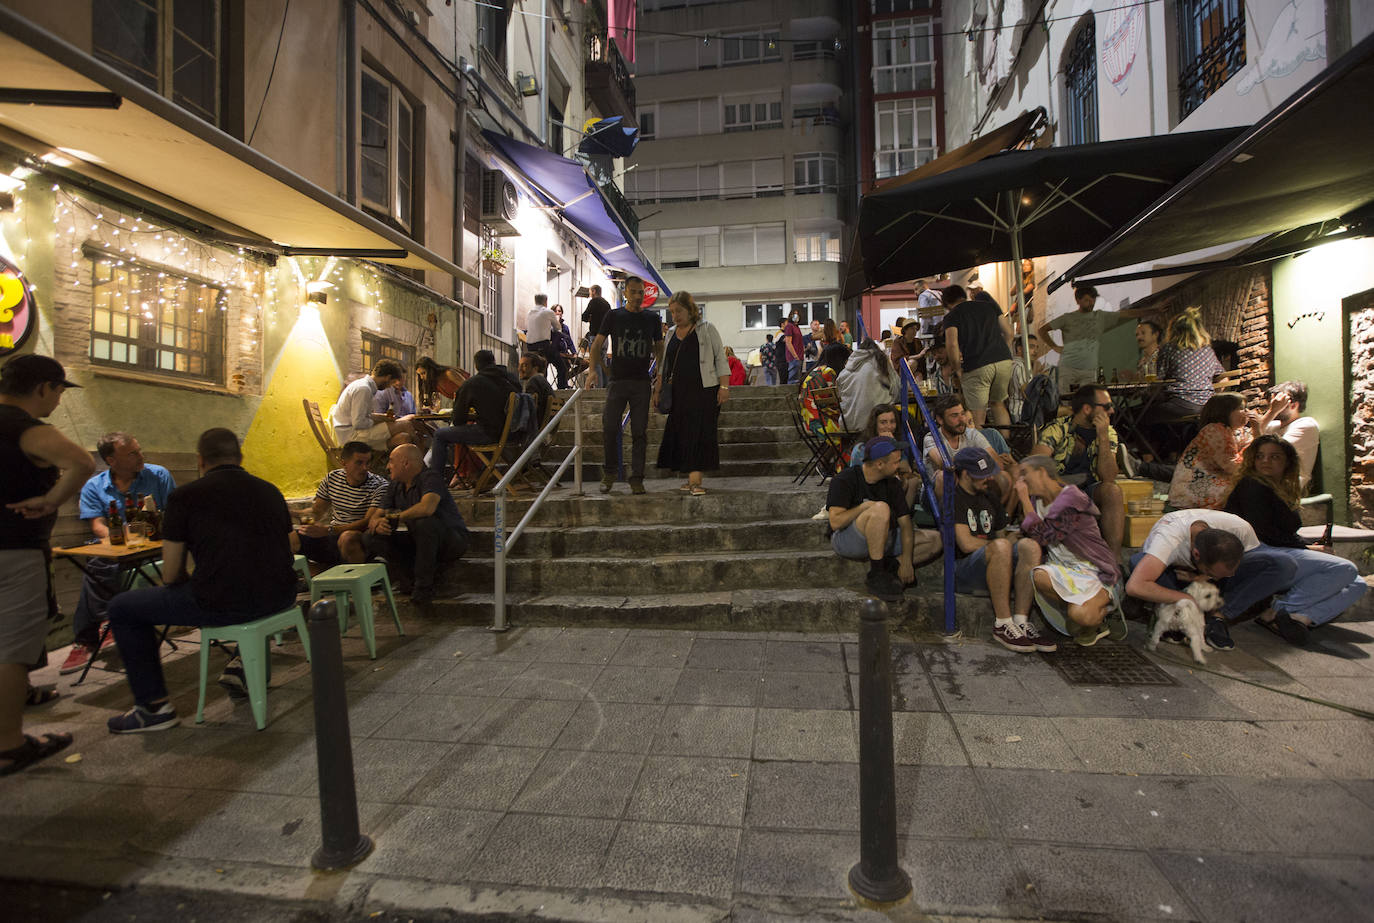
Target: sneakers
{"points": [[1042, 643], [1174, 637], [1286, 628], [1088, 635], [139, 720], [607, 484], [1013, 637], [883, 585], [81, 654], [637, 486], [233, 681], [1217, 634]]}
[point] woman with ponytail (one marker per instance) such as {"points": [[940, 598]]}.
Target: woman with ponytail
{"points": [[1188, 364]]}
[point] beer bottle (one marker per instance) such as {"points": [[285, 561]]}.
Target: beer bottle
{"points": [[115, 523], [152, 518]]}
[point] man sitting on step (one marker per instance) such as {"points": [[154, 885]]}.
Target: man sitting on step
{"points": [[871, 521]]}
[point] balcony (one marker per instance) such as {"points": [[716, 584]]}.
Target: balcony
{"points": [[609, 84], [606, 183]]}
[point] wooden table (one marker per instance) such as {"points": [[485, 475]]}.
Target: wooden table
{"points": [[132, 562]]}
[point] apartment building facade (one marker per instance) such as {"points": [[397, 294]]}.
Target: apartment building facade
{"points": [[742, 173], [223, 208]]}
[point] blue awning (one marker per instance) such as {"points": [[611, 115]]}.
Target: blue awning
{"points": [[564, 184]]}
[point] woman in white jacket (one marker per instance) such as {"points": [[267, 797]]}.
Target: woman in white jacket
{"points": [[698, 378]]}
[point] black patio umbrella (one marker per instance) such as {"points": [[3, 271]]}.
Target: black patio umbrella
{"points": [[1019, 204]]}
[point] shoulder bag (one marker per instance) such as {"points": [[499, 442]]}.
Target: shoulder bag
{"points": [[665, 390]]}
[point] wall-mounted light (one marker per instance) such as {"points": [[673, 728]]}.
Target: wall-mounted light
{"points": [[526, 84], [318, 291]]}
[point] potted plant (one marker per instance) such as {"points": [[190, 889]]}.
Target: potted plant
{"points": [[495, 259]]}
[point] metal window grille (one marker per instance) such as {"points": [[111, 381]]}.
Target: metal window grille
{"points": [[171, 47], [1211, 48], [491, 288], [150, 319], [1080, 77]]}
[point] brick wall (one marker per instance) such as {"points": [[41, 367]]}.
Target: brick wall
{"points": [[1361, 417]]}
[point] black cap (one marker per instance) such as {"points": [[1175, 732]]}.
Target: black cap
{"points": [[22, 374]]}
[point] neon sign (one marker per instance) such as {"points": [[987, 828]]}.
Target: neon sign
{"points": [[18, 312]]}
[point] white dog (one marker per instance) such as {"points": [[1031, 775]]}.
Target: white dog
{"points": [[1186, 616]]}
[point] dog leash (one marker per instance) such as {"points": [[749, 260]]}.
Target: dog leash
{"points": [[1349, 709]]}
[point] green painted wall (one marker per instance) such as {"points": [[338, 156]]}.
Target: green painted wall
{"points": [[1312, 349]]}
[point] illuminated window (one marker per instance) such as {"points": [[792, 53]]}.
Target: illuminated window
{"points": [[377, 347], [154, 320], [1211, 48]]}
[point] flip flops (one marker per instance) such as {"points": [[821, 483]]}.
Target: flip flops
{"points": [[32, 750], [40, 695], [698, 491]]}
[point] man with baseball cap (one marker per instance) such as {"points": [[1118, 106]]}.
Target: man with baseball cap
{"points": [[870, 520], [43, 469], [986, 561]]}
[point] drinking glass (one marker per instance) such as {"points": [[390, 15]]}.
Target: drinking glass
{"points": [[135, 534]]}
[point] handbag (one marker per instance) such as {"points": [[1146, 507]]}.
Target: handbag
{"points": [[665, 391]]}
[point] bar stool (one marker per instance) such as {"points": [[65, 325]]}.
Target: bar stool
{"points": [[251, 639], [355, 582]]}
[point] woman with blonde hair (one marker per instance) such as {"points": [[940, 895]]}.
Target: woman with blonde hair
{"points": [[1266, 496], [695, 380], [1188, 363]]}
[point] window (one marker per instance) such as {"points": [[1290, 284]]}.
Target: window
{"points": [[818, 50], [170, 46], [753, 113], [673, 184], [388, 144], [1211, 48], [1080, 84], [750, 47], [377, 347], [767, 315], [689, 248], [750, 245], [903, 56], [815, 173], [646, 119], [147, 318], [493, 16], [906, 135], [900, 6], [751, 179], [686, 117], [816, 246], [491, 294]]}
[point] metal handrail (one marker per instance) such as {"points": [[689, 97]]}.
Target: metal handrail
{"points": [[502, 544]]}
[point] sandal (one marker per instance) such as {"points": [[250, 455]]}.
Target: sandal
{"points": [[696, 490], [685, 488], [32, 750], [40, 695]]}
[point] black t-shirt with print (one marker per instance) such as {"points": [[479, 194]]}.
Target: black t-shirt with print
{"points": [[849, 488], [632, 335], [980, 512]]}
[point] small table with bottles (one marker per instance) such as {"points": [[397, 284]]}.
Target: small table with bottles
{"points": [[133, 560]]}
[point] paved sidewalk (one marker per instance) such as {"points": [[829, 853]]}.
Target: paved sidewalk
{"points": [[596, 773]]}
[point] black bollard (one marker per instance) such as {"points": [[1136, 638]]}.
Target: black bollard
{"points": [[876, 877], [343, 844]]}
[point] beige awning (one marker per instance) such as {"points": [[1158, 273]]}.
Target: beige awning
{"points": [[175, 160]]}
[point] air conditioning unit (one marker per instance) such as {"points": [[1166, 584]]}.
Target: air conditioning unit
{"points": [[500, 202]]}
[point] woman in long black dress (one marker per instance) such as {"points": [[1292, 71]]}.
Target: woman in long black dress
{"points": [[698, 374]]}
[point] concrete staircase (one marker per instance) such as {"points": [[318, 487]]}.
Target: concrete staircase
{"points": [[748, 554]]}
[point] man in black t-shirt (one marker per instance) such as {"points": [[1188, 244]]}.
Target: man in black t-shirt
{"points": [[428, 530], [870, 520], [637, 342], [987, 562], [978, 339], [236, 528], [594, 316]]}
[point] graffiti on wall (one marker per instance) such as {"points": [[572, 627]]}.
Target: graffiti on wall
{"points": [[1297, 36], [1121, 29]]}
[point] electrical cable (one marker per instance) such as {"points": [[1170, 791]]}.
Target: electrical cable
{"points": [[270, 73]]}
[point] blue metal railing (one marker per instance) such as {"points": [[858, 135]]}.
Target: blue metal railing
{"points": [[942, 513]]}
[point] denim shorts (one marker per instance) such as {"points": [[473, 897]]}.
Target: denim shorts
{"points": [[850, 543], [971, 573]]}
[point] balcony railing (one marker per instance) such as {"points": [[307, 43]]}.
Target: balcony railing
{"points": [[816, 115], [606, 183], [608, 77]]}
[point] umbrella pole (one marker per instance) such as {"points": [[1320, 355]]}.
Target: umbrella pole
{"points": [[1020, 294]]}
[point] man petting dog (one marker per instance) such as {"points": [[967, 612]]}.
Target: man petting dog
{"points": [[1197, 544]]}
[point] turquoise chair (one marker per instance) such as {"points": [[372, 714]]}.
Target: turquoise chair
{"points": [[251, 638], [354, 582]]}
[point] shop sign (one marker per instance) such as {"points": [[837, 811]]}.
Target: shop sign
{"points": [[18, 313], [650, 294]]}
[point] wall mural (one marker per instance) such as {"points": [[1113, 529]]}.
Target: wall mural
{"points": [[1121, 31], [1297, 36]]}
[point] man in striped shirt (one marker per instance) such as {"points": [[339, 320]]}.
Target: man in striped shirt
{"points": [[345, 494]]}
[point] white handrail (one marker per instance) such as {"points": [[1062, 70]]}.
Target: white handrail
{"points": [[502, 543]]}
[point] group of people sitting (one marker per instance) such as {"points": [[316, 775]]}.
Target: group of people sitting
{"points": [[1048, 526]]}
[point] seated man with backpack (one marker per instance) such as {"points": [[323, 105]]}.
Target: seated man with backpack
{"points": [[479, 410]]}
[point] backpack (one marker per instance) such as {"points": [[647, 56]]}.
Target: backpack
{"points": [[1042, 403]]}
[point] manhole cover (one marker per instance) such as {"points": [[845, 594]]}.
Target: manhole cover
{"points": [[1106, 664]]}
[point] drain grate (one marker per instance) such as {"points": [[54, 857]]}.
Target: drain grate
{"points": [[1106, 664]]}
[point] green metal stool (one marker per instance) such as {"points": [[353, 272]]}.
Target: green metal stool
{"points": [[251, 638], [355, 582], [302, 567]]}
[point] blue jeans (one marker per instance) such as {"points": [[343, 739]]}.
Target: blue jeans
{"points": [[133, 616], [98, 586], [1325, 585], [794, 370], [770, 373], [1263, 572], [441, 447]]}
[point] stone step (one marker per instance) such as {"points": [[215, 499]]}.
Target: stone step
{"points": [[744, 398], [571, 544], [726, 435], [771, 499], [693, 572], [749, 468], [731, 413], [812, 609], [593, 450]]}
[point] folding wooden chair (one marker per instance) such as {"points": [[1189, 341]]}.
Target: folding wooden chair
{"points": [[324, 433], [840, 437], [822, 460], [492, 456]]}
